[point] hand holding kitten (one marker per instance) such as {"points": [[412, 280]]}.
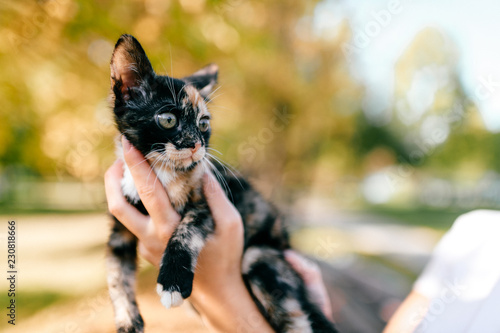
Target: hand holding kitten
{"points": [[219, 267], [219, 293]]}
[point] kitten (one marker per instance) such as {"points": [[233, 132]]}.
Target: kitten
{"points": [[167, 120]]}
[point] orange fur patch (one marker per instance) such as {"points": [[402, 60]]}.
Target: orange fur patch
{"points": [[193, 96]]}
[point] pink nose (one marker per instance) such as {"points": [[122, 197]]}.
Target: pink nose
{"points": [[197, 146]]}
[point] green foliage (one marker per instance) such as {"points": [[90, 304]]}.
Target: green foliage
{"points": [[369, 137], [28, 303], [441, 219], [55, 122]]}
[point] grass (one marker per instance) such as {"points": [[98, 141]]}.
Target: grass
{"points": [[28, 303], [441, 219], [10, 210], [383, 261]]}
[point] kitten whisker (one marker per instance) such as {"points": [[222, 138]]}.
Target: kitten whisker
{"points": [[206, 169], [214, 91], [227, 167], [171, 78], [159, 159], [211, 96], [146, 158], [171, 105], [214, 97], [153, 165], [215, 150], [170, 81], [170, 84], [180, 91], [220, 108], [220, 178]]}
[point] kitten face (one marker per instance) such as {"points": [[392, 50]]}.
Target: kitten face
{"points": [[165, 118]]}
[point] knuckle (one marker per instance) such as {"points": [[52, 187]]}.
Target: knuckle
{"points": [[115, 207], [164, 234], [233, 225], [110, 175], [172, 216], [145, 191], [147, 195], [233, 218]]}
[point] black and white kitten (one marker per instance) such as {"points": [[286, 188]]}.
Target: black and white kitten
{"points": [[167, 120]]}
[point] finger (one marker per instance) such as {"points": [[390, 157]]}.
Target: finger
{"points": [[308, 269], [152, 194], [311, 274], [118, 206], [225, 215]]}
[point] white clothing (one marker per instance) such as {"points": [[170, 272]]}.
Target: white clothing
{"points": [[462, 279]]}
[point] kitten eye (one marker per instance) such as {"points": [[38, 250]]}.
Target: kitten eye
{"points": [[166, 120], [204, 124]]}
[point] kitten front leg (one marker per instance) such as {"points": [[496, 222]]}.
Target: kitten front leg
{"points": [[175, 280]]}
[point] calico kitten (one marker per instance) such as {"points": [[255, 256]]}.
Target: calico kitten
{"points": [[167, 120]]}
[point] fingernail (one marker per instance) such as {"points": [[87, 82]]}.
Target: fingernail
{"points": [[126, 145]]}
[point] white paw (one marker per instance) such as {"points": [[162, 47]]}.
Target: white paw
{"points": [[169, 298]]}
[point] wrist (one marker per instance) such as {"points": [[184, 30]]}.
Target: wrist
{"points": [[229, 309]]}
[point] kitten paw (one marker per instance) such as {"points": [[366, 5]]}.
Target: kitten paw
{"points": [[130, 330], [174, 285], [169, 298], [135, 326]]}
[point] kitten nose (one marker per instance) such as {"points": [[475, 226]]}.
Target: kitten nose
{"points": [[197, 146]]}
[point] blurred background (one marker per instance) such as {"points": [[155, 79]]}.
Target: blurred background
{"points": [[373, 124]]}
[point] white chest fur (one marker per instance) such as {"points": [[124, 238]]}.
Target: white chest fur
{"points": [[178, 185]]}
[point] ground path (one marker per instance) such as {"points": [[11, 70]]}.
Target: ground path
{"points": [[63, 255]]}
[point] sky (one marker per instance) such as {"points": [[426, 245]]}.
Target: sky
{"points": [[472, 26]]}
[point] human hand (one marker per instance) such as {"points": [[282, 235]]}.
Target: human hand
{"points": [[154, 230], [219, 293], [311, 274]]}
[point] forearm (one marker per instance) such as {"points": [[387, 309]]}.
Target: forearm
{"points": [[408, 315], [231, 309]]}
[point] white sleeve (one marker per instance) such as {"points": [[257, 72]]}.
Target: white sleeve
{"points": [[465, 261]]}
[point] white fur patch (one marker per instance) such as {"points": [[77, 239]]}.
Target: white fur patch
{"points": [[128, 186], [197, 242], [177, 183], [195, 245], [169, 299], [251, 255], [260, 296], [117, 242], [300, 321], [191, 240]]}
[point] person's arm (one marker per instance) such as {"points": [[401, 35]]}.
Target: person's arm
{"points": [[409, 314], [219, 293]]}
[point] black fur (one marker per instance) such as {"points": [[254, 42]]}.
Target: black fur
{"points": [[139, 97]]}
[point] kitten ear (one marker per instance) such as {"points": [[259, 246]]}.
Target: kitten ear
{"points": [[130, 66], [204, 80]]}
